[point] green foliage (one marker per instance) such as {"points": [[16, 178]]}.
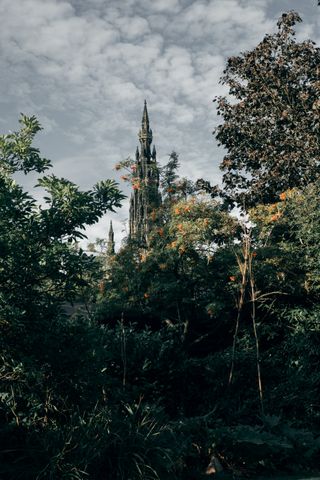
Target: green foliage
{"points": [[51, 366], [287, 238], [271, 125], [174, 280], [137, 387], [67, 414], [266, 446], [70, 209], [37, 266], [187, 288], [169, 173], [17, 152]]}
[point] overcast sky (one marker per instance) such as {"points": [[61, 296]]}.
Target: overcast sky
{"points": [[84, 68]]}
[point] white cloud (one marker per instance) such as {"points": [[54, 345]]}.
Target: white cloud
{"points": [[85, 66], [168, 6], [133, 27]]}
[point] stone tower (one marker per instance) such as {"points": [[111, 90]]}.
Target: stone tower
{"points": [[111, 242], [145, 197]]}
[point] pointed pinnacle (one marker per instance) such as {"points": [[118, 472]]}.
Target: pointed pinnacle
{"points": [[145, 133], [145, 116]]}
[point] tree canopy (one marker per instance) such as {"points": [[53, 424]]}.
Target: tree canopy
{"points": [[271, 117]]}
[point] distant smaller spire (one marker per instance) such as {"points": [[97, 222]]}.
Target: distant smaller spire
{"points": [[154, 153], [111, 242]]}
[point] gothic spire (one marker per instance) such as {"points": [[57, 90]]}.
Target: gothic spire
{"points": [[111, 242], [145, 133], [146, 196], [154, 153], [145, 116]]}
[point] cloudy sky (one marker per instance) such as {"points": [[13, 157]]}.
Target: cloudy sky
{"points": [[84, 67]]}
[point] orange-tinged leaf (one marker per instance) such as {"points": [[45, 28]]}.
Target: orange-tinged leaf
{"points": [[275, 217]]}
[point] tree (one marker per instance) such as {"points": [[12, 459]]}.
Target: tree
{"points": [[271, 122], [36, 261], [46, 360], [287, 236], [180, 278], [40, 264]]}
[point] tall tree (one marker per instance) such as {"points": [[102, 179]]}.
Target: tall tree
{"points": [[37, 266], [271, 118], [40, 269]]}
